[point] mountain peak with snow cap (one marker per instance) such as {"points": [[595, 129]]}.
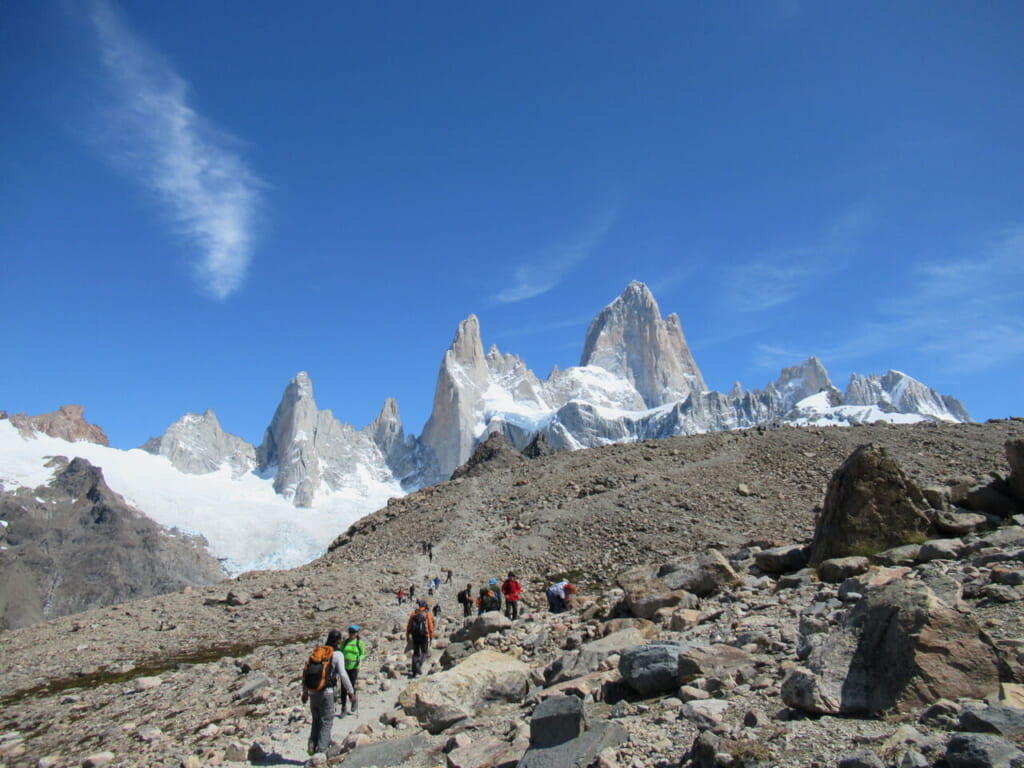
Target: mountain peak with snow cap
{"points": [[198, 445], [630, 339]]}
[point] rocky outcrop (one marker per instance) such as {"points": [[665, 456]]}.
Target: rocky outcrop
{"points": [[900, 393], [870, 506], [308, 451], [900, 648], [75, 545], [197, 445], [445, 698], [66, 423], [629, 339], [494, 453], [1015, 458], [449, 436]]}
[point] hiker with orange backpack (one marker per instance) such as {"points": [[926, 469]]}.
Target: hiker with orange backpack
{"points": [[323, 671], [420, 631]]}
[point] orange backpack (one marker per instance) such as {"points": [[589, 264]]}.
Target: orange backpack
{"points": [[316, 673]]}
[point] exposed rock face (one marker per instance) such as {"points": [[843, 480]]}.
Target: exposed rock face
{"points": [[450, 434], [809, 378], [495, 453], [67, 423], [629, 339], [197, 445], [76, 545], [903, 394], [308, 449], [900, 648], [870, 505], [389, 435]]}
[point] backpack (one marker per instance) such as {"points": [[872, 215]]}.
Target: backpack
{"points": [[463, 597], [489, 601], [420, 628], [316, 675]]}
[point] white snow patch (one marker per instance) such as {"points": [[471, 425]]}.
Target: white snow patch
{"points": [[245, 523]]}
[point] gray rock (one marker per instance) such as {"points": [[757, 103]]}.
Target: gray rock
{"points": [[784, 559], [483, 625], [700, 574], [391, 752], [940, 549], [838, 569], [557, 719], [978, 750], [580, 752], [958, 524], [861, 760], [1000, 720], [651, 669]]}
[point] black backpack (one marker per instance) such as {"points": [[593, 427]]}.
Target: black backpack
{"points": [[316, 675], [420, 628]]}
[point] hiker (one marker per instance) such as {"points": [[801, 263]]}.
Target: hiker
{"points": [[420, 630], [465, 598], [448, 576], [436, 611], [437, 583], [430, 551], [488, 600], [321, 675], [512, 590], [412, 592], [354, 651], [401, 596], [557, 594]]}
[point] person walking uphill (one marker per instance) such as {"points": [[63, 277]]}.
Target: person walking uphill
{"points": [[354, 651], [420, 630], [323, 672]]}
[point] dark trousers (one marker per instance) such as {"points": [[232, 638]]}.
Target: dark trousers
{"points": [[353, 675], [420, 649], [512, 609]]}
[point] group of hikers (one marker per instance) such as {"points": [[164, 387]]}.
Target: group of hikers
{"points": [[336, 663]]}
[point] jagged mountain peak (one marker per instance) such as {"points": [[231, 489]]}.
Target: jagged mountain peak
{"points": [[799, 381], [629, 338]]}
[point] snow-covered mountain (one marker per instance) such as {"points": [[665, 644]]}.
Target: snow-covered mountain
{"points": [[637, 380]]}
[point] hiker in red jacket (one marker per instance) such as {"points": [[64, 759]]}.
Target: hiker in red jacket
{"points": [[512, 590]]}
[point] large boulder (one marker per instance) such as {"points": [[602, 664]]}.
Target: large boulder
{"points": [[560, 736], [644, 594], [870, 506], [591, 656], [483, 625], [900, 648], [653, 668], [701, 574], [443, 699], [1015, 456]]}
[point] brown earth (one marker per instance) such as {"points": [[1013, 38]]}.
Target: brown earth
{"points": [[588, 515]]}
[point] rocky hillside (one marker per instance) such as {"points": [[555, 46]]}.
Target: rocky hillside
{"points": [[74, 545], [700, 543]]}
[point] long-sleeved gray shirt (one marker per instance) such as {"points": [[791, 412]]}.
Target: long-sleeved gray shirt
{"points": [[338, 671]]}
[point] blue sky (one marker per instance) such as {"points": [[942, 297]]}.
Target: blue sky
{"points": [[198, 200]]}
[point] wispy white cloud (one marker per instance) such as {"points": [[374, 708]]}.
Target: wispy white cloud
{"points": [[967, 313], [154, 134], [542, 271], [780, 276]]}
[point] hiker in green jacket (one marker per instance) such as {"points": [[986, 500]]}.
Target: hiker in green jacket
{"points": [[354, 651]]}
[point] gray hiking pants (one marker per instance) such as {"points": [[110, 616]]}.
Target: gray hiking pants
{"points": [[321, 708]]}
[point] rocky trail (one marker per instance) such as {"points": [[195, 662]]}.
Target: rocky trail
{"points": [[210, 676]]}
